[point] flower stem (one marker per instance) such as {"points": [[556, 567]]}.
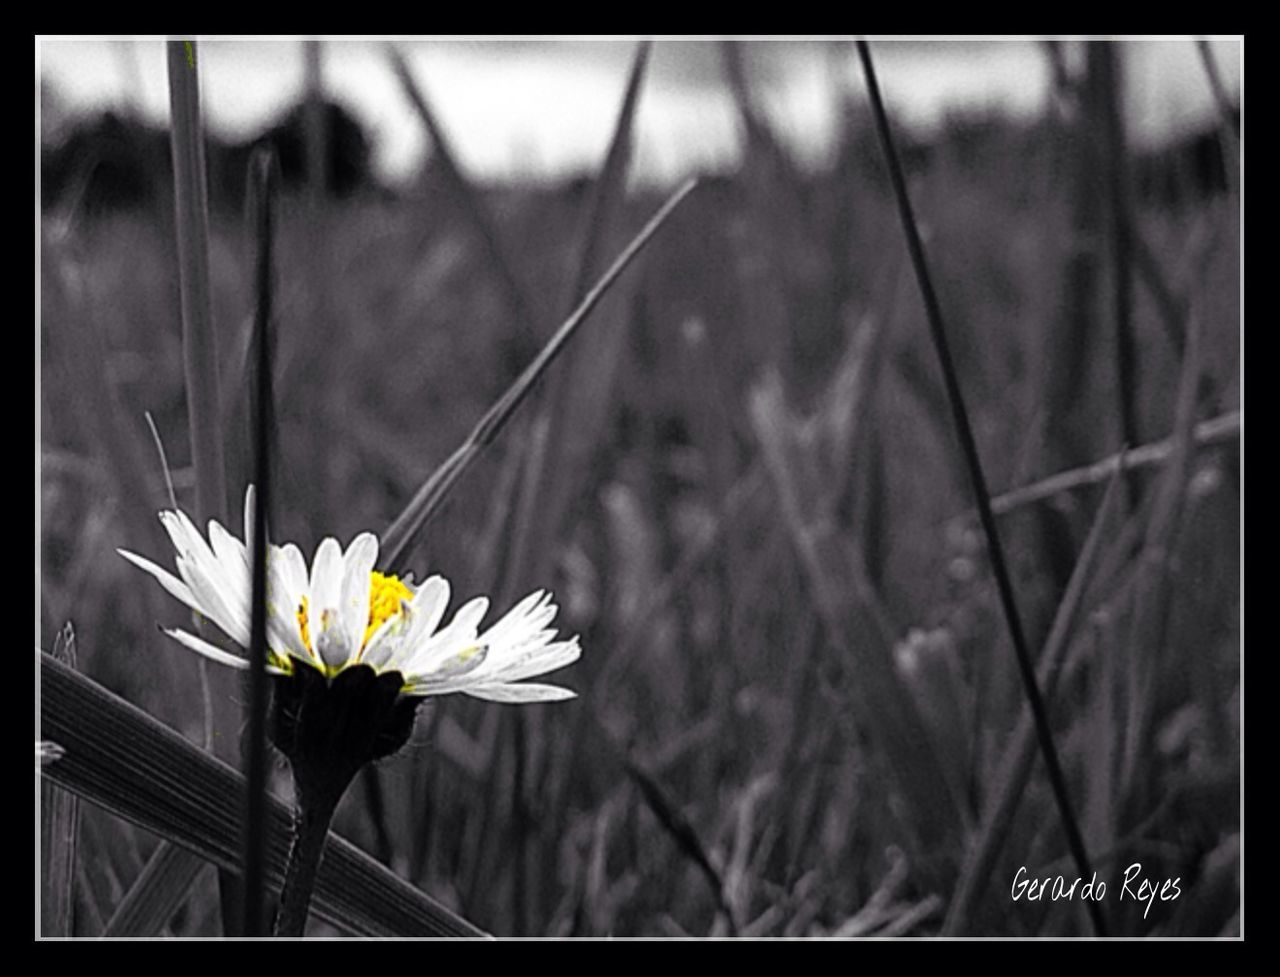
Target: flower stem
{"points": [[310, 829]]}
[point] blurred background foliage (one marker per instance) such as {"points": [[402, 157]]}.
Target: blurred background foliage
{"points": [[723, 718]]}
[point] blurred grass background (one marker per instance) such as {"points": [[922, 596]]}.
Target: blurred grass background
{"points": [[710, 683]]}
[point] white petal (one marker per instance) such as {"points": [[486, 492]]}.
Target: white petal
{"points": [[326, 572], [429, 605], [357, 566], [196, 544], [167, 580], [225, 610], [514, 622], [285, 590], [234, 575], [293, 569], [455, 671], [394, 644], [384, 645], [212, 651], [217, 598], [323, 614], [540, 660], [460, 634], [206, 649], [526, 692]]}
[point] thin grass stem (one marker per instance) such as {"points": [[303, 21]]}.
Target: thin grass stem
{"points": [[428, 499], [1217, 430], [974, 463], [262, 170]]}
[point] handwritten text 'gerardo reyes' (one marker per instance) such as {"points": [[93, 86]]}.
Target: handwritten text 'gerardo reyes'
{"points": [[1133, 886]]}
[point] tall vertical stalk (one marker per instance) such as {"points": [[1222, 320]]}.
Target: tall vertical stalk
{"points": [[199, 339], [262, 174], [979, 483]]}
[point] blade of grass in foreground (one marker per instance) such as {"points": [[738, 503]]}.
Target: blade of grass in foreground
{"points": [[995, 549], [59, 831], [125, 761], [428, 499]]}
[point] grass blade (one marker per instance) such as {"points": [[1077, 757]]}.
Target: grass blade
{"points": [[428, 499], [1216, 430], [577, 400], [157, 893], [123, 760], [199, 339], [682, 832], [965, 432], [1151, 617], [59, 829], [200, 353], [262, 167]]}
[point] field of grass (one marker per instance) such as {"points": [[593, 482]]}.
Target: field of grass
{"points": [[798, 710]]}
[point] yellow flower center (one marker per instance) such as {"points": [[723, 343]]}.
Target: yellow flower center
{"points": [[385, 594], [386, 591]]}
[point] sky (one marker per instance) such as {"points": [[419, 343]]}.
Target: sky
{"points": [[545, 108]]}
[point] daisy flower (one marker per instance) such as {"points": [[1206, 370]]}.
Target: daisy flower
{"points": [[342, 612]]}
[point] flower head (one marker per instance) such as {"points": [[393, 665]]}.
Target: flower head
{"points": [[343, 613]]}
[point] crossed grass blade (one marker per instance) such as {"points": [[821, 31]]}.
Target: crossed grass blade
{"points": [[156, 894], [433, 492], [126, 762]]}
